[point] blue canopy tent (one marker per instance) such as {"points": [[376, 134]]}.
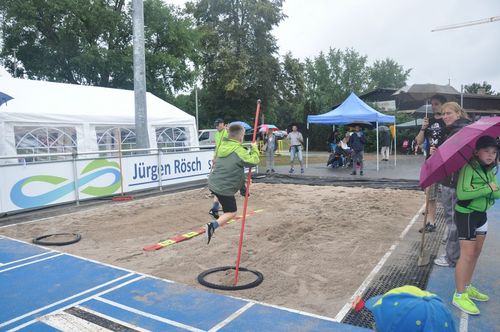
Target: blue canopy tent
{"points": [[351, 110]]}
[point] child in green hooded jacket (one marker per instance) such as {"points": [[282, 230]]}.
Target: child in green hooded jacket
{"points": [[228, 175], [477, 190]]}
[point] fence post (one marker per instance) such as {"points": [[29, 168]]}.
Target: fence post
{"points": [[75, 176], [160, 180]]}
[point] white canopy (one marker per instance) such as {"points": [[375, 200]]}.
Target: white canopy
{"points": [[40, 103]]}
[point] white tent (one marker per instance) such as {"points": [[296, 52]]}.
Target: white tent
{"points": [[83, 118]]}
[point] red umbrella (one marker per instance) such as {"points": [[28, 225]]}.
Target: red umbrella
{"points": [[454, 153], [265, 127]]}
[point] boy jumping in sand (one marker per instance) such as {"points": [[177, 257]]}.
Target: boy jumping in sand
{"points": [[228, 175]]}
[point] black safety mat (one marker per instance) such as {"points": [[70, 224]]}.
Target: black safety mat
{"points": [[334, 181], [401, 269]]}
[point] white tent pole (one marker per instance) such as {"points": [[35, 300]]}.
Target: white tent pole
{"points": [[395, 141], [307, 146], [377, 148]]}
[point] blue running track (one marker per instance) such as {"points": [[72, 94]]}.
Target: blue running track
{"points": [[45, 290], [486, 278]]}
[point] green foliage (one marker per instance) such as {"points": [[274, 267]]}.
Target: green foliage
{"points": [[225, 44], [170, 43], [238, 62], [291, 90], [388, 74], [90, 42], [329, 79], [475, 87]]}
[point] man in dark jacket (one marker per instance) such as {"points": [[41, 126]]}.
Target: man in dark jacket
{"points": [[357, 143], [433, 132], [385, 141]]}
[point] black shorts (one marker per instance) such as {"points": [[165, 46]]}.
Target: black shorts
{"points": [[228, 202], [471, 224]]}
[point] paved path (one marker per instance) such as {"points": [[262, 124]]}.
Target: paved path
{"points": [[407, 167]]}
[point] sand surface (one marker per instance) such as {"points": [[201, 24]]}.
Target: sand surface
{"points": [[314, 245]]}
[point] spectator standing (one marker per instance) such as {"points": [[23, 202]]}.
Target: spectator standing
{"points": [[455, 119], [385, 140], [433, 130], [477, 191], [270, 147], [296, 140], [357, 143]]}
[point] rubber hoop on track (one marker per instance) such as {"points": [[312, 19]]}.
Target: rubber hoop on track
{"points": [[255, 283], [38, 240]]}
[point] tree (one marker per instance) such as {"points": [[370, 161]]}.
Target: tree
{"points": [[90, 42], [291, 89], [475, 88], [387, 74], [239, 63], [331, 77]]}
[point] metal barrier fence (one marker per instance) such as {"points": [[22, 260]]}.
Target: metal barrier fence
{"points": [[93, 174]]}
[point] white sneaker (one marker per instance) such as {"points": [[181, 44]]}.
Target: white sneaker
{"points": [[442, 261]]}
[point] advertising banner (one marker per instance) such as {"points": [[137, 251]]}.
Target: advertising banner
{"points": [[37, 185]]}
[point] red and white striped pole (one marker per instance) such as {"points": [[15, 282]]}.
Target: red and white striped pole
{"points": [[245, 205]]}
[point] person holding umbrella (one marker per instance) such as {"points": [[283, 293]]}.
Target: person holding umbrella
{"points": [[477, 191], [455, 119], [432, 130]]}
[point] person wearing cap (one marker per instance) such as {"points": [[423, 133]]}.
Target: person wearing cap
{"points": [[409, 309], [432, 132], [477, 190], [219, 136]]}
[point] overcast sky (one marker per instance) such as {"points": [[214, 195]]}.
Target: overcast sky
{"points": [[400, 30]]}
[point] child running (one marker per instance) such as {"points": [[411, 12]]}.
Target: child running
{"points": [[477, 190], [228, 174]]}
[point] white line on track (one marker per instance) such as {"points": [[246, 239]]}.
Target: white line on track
{"points": [[112, 319], [231, 317], [345, 309], [148, 315], [67, 322], [25, 259], [29, 263], [67, 299], [464, 322]]}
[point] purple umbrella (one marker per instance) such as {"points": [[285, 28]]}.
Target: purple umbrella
{"points": [[454, 153]]}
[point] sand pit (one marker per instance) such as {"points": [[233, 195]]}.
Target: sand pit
{"points": [[314, 245]]}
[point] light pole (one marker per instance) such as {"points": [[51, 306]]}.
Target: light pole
{"points": [[141, 119]]}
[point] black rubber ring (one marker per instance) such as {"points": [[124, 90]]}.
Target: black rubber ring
{"points": [[255, 283], [37, 240]]}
